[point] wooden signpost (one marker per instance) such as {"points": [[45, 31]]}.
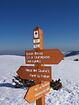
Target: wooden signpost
{"points": [[39, 72]]}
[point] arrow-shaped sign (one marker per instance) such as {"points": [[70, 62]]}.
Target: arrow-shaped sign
{"points": [[40, 73], [46, 56], [37, 91]]}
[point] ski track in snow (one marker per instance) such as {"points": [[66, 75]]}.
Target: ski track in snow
{"points": [[67, 71]]}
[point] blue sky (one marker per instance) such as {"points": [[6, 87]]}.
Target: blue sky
{"points": [[59, 20]]}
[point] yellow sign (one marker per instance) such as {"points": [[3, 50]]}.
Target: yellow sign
{"points": [[37, 91]]}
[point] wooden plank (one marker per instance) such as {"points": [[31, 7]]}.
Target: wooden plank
{"points": [[37, 73], [46, 56]]}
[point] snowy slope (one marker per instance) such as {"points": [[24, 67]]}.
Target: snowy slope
{"points": [[72, 57], [67, 71]]}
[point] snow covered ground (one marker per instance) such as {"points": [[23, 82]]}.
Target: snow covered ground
{"points": [[67, 71]]}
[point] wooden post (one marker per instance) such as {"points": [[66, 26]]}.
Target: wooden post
{"points": [[41, 101], [38, 44]]}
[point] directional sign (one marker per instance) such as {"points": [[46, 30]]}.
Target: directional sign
{"points": [[37, 91], [40, 73], [46, 56]]}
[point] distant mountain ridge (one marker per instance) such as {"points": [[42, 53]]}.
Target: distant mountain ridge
{"points": [[12, 52], [22, 52], [71, 53]]}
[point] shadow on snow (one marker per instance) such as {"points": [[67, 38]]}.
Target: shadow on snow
{"points": [[9, 85]]}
